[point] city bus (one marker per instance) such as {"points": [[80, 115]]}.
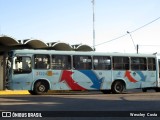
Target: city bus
{"points": [[41, 70]]}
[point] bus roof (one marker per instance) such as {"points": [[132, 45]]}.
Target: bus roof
{"points": [[31, 51]]}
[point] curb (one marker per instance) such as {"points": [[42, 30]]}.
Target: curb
{"points": [[25, 92], [14, 92]]}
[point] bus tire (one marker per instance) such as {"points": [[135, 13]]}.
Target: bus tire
{"points": [[118, 87], [41, 87], [106, 91]]}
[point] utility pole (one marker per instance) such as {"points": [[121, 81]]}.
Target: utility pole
{"points": [[137, 48], [93, 3]]}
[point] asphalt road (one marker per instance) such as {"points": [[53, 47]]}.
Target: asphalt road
{"points": [[94, 104]]}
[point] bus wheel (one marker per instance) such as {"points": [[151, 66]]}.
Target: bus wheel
{"points": [[118, 87], [41, 87], [106, 91]]}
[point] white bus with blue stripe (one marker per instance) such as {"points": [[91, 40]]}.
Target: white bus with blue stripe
{"points": [[41, 70]]}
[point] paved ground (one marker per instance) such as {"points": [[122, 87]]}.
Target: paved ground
{"points": [[118, 104]]}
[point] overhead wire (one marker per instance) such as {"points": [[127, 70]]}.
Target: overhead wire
{"points": [[111, 40], [150, 45], [129, 32], [145, 25]]}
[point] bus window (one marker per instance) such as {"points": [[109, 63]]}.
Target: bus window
{"points": [[102, 63], [120, 63], [22, 65], [42, 61], [151, 64], [82, 62], [61, 62], [138, 63]]}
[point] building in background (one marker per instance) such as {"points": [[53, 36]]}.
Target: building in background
{"points": [[8, 43]]}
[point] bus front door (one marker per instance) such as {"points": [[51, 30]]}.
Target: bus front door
{"points": [[21, 78]]}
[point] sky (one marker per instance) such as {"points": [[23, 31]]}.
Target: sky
{"points": [[71, 21]]}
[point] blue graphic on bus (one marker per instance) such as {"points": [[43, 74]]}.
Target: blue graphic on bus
{"points": [[95, 80], [143, 77]]}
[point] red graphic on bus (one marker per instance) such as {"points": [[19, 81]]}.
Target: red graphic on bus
{"points": [[130, 78], [67, 76]]}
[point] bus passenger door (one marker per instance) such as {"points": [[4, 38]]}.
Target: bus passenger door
{"points": [[22, 73]]}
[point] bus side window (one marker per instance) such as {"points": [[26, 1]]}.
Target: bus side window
{"points": [[120, 63], [102, 62], [41, 61], [22, 65], [82, 62], [138, 63], [61, 62], [151, 64]]}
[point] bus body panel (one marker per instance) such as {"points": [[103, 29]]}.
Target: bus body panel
{"points": [[106, 78], [21, 82], [136, 79], [74, 79], [85, 80], [93, 79]]}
